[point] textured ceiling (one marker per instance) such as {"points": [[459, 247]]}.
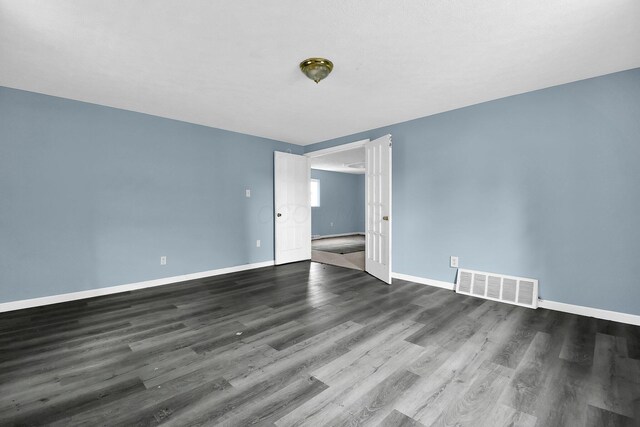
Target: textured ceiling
{"points": [[348, 161], [234, 64]]}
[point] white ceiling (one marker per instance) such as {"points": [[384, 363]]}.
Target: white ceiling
{"points": [[348, 161], [234, 64]]}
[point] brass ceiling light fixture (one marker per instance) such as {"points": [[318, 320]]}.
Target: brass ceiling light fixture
{"points": [[316, 68]]}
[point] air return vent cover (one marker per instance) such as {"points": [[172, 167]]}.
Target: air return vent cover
{"points": [[498, 287]]}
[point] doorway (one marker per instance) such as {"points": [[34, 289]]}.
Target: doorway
{"points": [[337, 190], [340, 242], [292, 202]]}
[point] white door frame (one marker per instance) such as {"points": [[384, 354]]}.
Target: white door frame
{"points": [[337, 149]]}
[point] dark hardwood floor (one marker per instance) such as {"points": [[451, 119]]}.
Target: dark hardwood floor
{"points": [[310, 344]]}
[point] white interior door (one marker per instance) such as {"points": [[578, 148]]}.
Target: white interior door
{"points": [[292, 208], [378, 214]]}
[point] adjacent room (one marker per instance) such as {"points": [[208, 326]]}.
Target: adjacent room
{"points": [[338, 208], [344, 213]]}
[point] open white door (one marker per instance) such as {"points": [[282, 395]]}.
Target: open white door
{"points": [[292, 208], [378, 214]]}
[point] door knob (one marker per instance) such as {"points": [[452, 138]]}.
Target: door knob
{"points": [[279, 215], [386, 218]]}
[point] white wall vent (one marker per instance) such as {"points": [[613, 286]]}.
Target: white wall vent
{"points": [[498, 287]]}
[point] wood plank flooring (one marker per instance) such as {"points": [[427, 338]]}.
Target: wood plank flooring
{"points": [[311, 344]]}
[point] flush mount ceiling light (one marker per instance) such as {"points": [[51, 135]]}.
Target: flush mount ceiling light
{"points": [[316, 68], [356, 165]]}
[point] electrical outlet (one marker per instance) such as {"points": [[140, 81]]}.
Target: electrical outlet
{"points": [[247, 192], [332, 224], [163, 260], [453, 262], [257, 243]]}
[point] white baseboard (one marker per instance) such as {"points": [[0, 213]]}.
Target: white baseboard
{"points": [[598, 313], [423, 281], [54, 299], [326, 236]]}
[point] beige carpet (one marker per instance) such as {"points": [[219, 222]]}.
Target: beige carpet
{"points": [[354, 260], [339, 245]]}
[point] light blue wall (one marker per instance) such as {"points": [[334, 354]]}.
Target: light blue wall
{"points": [[544, 184], [341, 203], [92, 196]]}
